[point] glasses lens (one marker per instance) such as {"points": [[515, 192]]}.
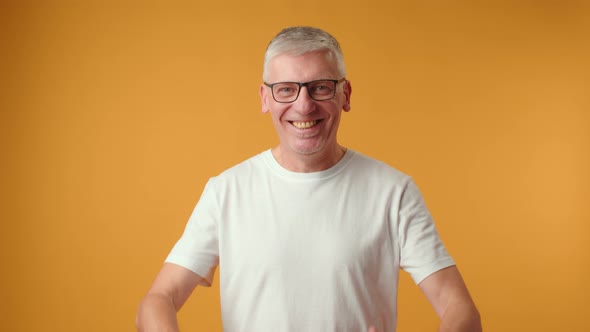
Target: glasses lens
{"points": [[285, 92], [322, 90]]}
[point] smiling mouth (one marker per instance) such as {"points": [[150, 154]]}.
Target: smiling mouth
{"points": [[305, 124]]}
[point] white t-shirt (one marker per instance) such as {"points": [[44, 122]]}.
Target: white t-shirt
{"points": [[310, 251]]}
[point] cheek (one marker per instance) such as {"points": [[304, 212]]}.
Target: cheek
{"points": [[276, 114]]}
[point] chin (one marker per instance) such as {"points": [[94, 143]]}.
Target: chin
{"points": [[308, 146]]}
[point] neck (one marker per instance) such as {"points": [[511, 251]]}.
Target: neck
{"points": [[308, 163]]}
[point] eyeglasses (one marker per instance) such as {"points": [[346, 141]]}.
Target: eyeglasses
{"points": [[288, 92]]}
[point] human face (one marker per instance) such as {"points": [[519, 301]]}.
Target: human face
{"points": [[306, 126]]}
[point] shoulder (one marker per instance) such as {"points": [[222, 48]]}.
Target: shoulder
{"points": [[249, 169], [247, 166], [370, 168]]}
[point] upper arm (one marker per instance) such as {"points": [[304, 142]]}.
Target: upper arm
{"points": [[446, 287], [175, 282]]}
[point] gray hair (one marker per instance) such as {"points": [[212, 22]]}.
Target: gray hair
{"points": [[300, 40]]}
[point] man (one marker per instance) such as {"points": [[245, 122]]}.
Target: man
{"points": [[308, 236]]}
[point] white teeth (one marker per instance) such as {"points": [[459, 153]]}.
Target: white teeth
{"points": [[304, 125]]}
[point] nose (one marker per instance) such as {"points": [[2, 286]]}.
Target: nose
{"points": [[304, 104]]}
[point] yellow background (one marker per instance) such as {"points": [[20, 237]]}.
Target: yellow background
{"points": [[115, 114]]}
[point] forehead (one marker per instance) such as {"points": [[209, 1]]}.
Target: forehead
{"points": [[302, 68]]}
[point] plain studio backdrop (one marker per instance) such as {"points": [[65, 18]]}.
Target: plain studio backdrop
{"points": [[113, 115]]}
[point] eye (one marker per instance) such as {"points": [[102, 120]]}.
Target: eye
{"points": [[285, 89], [322, 88]]}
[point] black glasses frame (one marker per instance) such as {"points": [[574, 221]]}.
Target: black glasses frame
{"points": [[304, 84]]}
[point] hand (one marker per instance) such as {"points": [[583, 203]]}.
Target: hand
{"points": [[372, 329]]}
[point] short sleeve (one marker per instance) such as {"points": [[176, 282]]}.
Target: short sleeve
{"points": [[198, 249], [421, 249]]}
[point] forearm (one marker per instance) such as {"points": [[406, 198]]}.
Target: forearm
{"points": [[157, 313], [460, 317]]}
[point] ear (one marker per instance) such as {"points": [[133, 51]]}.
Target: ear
{"points": [[264, 98], [347, 93]]}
